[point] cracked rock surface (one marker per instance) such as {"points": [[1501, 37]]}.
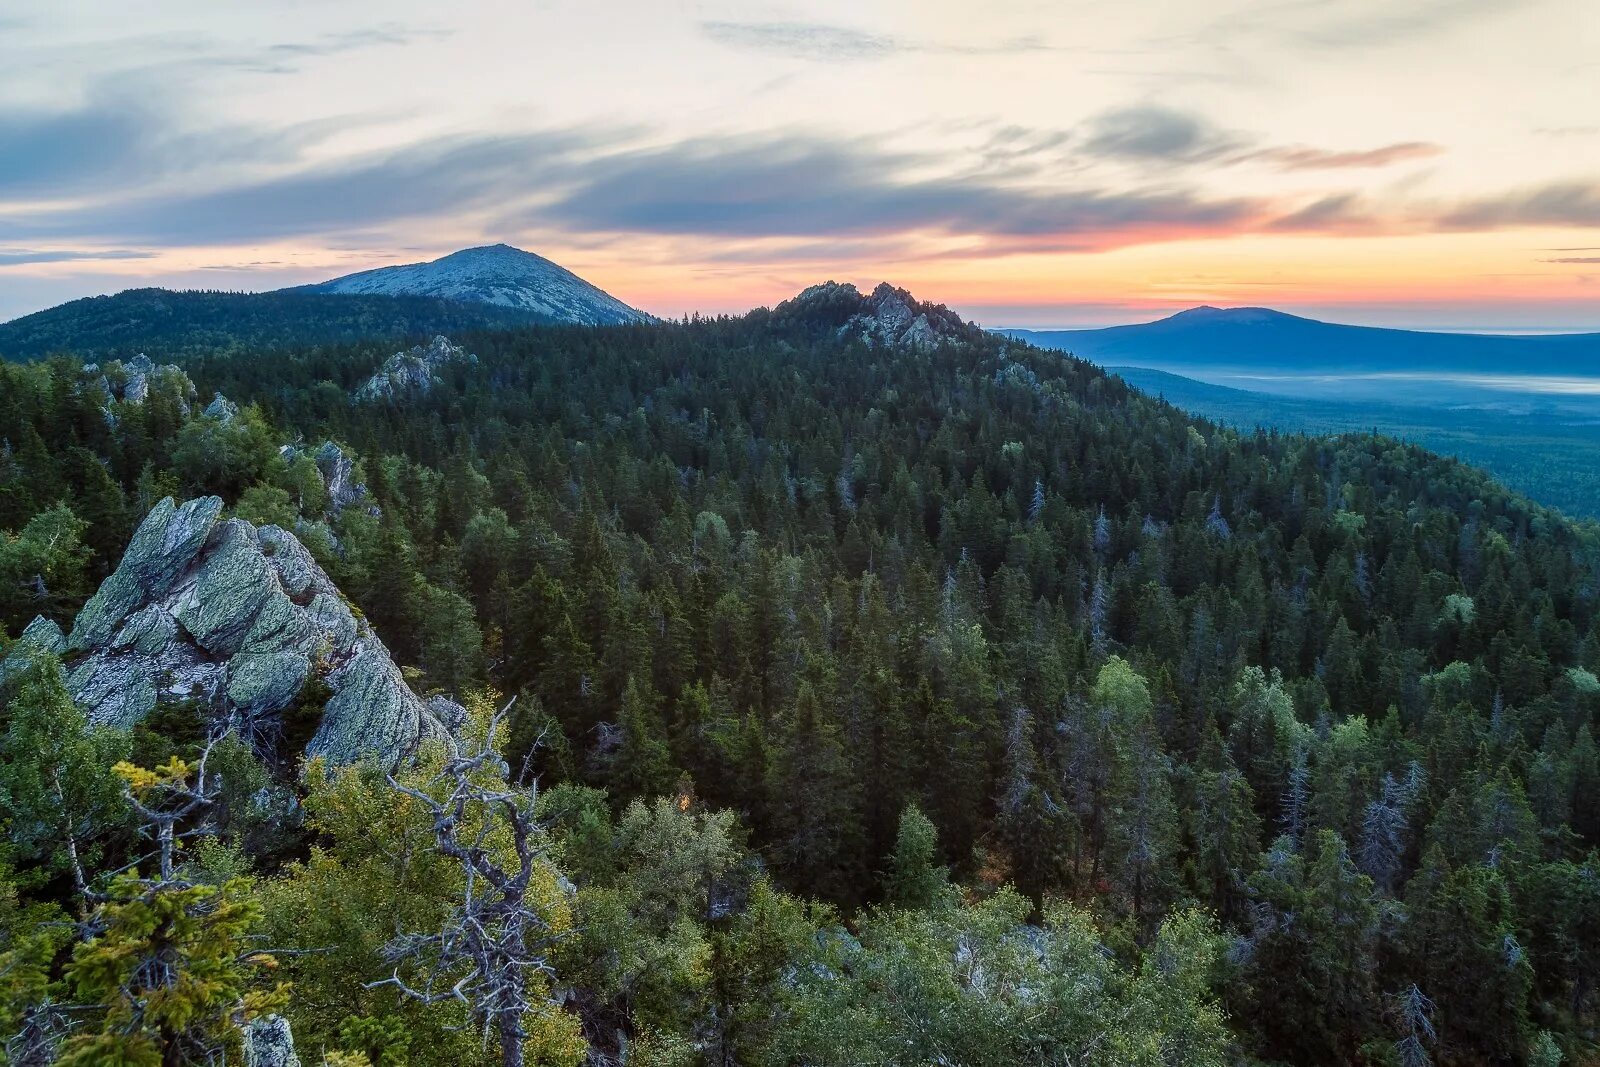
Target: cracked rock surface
{"points": [[240, 619]]}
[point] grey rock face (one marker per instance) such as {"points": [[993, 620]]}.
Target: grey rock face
{"points": [[412, 372], [337, 471], [240, 620], [39, 636], [222, 409], [268, 1042], [888, 317], [892, 316], [131, 383]]}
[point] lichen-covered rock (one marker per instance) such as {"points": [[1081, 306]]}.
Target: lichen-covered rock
{"points": [[148, 630], [41, 636], [372, 710], [132, 382], [116, 690], [269, 1042], [168, 540], [412, 372], [338, 473], [222, 409], [227, 590], [261, 683], [239, 620]]}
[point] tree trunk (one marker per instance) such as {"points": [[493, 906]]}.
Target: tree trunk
{"points": [[510, 1028]]}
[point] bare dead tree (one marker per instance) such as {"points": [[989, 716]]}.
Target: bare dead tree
{"points": [[495, 940]]}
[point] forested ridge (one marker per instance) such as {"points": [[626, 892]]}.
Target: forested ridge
{"points": [[890, 703], [192, 322]]}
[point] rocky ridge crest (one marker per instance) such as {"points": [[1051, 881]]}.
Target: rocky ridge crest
{"points": [[888, 317]]}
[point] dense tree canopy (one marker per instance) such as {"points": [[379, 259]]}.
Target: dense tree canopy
{"points": [[874, 685]]}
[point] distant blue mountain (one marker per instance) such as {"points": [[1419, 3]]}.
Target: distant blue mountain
{"points": [[1264, 340]]}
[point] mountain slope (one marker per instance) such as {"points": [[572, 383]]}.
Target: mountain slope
{"points": [[1261, 338], [498, 275], [174, 323]]}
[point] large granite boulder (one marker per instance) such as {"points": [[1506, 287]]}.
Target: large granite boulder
{"points": [[239, 619]]}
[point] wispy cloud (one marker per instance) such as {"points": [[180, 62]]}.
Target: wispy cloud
{"points": [[832, 43], [1160, 134], [125, 134], [14, 257], [1574, 203], [1303, 157], [1352, 24]]}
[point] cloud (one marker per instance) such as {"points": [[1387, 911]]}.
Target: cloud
{"points": [[1574, 203], [125, 134], [1302, 157], [803, 40], [1362, 23], [1152, 133], [1573, 259], [330, 44], [799, 186], [13, 257], [593, 181], [831, 43]]}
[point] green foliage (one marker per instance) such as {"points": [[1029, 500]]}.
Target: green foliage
{"points": [[978, 986], [168, 972], [56, 783], [1335, 691], [913, 880], [43, 567]]}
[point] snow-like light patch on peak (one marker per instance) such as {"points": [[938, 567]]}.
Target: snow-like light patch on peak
{"points": [[495, 274]]}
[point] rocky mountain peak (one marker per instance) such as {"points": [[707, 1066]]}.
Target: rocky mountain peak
{"points": [[240, 620], [887, 317]]}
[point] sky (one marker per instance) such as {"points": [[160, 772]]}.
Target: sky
{"points": [[1431, 163]]}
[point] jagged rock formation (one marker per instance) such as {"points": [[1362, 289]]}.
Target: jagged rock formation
{"points": [[131, 382], [222, 409], [240, 620], [338, 477], [888, 317], [412, 372]]}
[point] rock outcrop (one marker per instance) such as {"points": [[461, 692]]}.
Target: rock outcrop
{"points": [[222, 409], [412, 372], [338, 472], [240, 620], [131, 383], [889, 317]]}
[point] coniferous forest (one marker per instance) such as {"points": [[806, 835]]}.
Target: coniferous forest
{"points": [[826, 702]]}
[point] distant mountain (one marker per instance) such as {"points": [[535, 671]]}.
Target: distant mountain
{"points": [[493, 274], [1262, 339], [171, 323]]}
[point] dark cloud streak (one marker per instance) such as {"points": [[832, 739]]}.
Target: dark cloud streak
{"points": [[14, 257]]}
